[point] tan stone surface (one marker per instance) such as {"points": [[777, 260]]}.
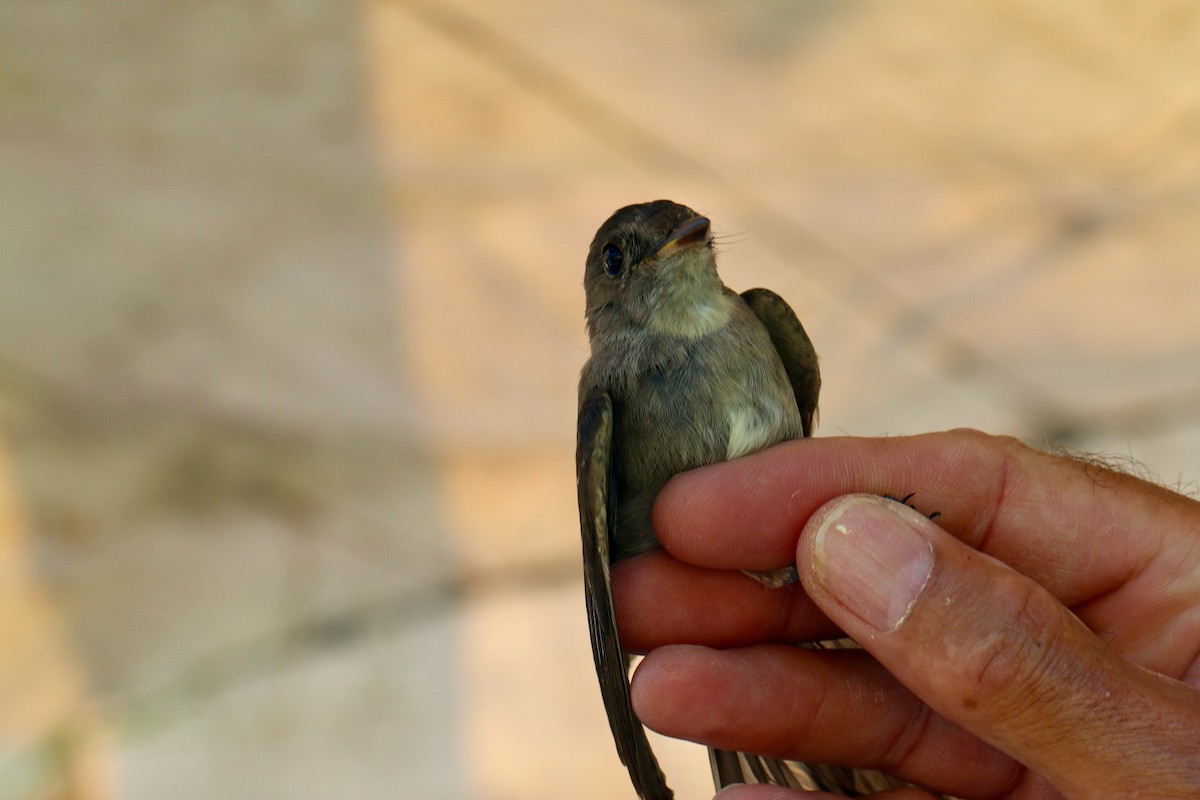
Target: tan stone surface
{"points": [[291, 317]]}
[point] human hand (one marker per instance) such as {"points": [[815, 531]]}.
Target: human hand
{"points": [[975, 678]]}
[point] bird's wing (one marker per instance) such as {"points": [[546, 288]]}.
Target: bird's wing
{"points": [[794, 347], [597, 512]]}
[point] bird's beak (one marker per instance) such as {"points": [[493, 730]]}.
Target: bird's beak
{"points": [[685, 233]]}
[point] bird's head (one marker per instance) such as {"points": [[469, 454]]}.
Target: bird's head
{"points": [[652, 265]]}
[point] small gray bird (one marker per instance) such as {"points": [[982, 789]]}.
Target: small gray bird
{"points": [[683, 372]]}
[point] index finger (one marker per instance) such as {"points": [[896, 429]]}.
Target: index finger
{"points": [[1078, 529]]}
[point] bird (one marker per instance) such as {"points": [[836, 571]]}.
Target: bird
{"points": [[683, 372]]}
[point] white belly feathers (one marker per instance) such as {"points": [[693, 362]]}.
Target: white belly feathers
{"points": [[752, 427]]}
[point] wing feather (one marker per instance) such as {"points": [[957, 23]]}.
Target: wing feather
{"points": [[597, 506], [794, 347]]}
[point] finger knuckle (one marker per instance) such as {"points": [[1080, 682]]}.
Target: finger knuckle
{"points": [[974, 438], [1016, 659], [896, 750], [969, 433]]}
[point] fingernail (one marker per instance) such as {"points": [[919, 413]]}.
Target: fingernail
{"points": [[868, 555]]}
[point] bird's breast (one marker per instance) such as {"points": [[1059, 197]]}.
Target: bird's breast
{"points": [[712, 399], [724, 396]]}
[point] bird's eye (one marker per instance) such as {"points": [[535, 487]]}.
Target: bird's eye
{"points": [[614, 259]]}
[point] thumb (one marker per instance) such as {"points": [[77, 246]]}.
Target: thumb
{"points": [[990, 649]]}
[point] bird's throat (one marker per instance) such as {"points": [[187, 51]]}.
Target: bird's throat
{"points": [[691, 303]]}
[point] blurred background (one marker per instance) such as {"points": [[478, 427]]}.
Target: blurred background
{"points": [[291, 320]]}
